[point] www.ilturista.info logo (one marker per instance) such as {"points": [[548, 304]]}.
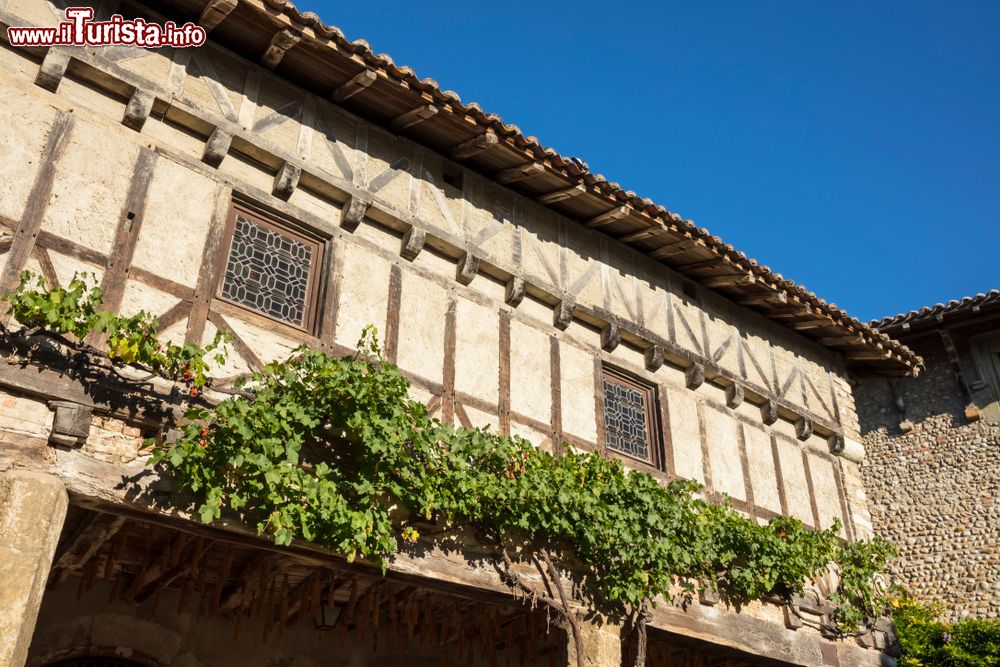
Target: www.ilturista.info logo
{"points": [[80, 30]]}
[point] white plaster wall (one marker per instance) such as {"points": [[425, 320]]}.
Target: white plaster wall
{"points": [[178, 215], [477, 342]]}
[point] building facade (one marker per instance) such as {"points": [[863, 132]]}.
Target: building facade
{"points": [[932, 469], [288, 186]]}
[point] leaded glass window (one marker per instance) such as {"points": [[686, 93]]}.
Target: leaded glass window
{"points": [[269, 269], [628, 417]]}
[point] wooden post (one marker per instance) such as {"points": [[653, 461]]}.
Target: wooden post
{"points": [[32, 511]]}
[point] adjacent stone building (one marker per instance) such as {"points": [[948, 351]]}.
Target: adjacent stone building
{"points": [[932, 468], [513, 288]]}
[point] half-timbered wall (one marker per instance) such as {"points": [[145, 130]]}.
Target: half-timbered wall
{"points": [[124, 163]]}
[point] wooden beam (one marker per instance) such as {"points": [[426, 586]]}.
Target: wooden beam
{"points": [[87, 540], [730, 280], [769, 412], [841, 339], [230, 598], [52, 69], [694, 376], [514, 291], [715, 262], [971, 410], [166, 570], [806, 325], [803, 428], [772, 297], [286, 180], [412, 117], [866, 355], [413, 243], [639, 235], [608, 217], [358, 83], [672, 249], [563, 314], [520, 173], [353, 213], [734, 395], [611, 337], [473, 146], [214, 13], [217, 147], [562, 195], [137, 110], [653, 358], [281, 42], [467, 269]]}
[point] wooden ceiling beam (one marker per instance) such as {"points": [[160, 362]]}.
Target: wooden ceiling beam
{"points": [[639, 235], [608, 217], [563, 194], [87, 540], [521, 172], [413, 117], [474, 146], [715, 262], [358, 83], [215, 13], [672, 249], [772, 297], [281, 42], [805, 325], [730, 280]]}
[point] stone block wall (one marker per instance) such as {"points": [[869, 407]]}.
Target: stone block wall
{"points": [[935, 491]]}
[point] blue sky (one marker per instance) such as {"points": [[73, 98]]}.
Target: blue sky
{"points": [[853, 147]]}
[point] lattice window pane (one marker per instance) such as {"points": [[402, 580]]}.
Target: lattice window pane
{"points": [[627, 421], [268, 271]]}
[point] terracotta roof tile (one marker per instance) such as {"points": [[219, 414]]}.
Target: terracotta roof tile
{"points": [[969, 304]]}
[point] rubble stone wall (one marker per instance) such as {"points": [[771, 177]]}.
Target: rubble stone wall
{"points": [[935, 490]]}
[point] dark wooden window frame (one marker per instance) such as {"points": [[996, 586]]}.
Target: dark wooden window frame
{"points": [[651, 410], [281, 226]]}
